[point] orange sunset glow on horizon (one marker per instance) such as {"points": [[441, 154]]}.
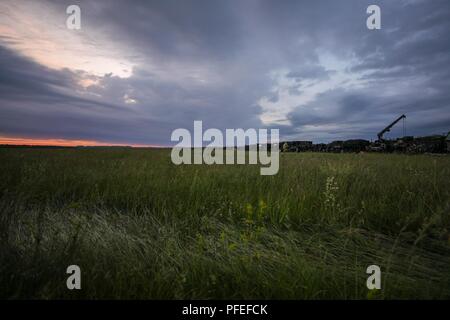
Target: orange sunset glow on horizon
{"points": [[67, 143]]}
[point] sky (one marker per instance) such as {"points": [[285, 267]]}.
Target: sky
{"points": [[137, 70]]}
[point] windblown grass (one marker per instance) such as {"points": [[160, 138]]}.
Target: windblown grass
{"points": [[141, 227]]}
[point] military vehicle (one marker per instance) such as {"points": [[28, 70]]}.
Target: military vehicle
{"points": [[405, 144]]}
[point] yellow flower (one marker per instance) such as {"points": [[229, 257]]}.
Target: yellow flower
{"points": [[249, 210], [262, 205]]}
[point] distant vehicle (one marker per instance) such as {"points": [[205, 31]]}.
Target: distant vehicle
{"points": [[405, 144]]}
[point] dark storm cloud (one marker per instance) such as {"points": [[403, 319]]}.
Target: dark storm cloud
{"points": [[215, 61], [27, 81], [315, 72], [37, 101], [406, 70]]}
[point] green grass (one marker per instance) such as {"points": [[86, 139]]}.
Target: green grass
{"points": [[141, 227]]}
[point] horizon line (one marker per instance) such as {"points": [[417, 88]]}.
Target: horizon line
{"points": [[48, 142]]}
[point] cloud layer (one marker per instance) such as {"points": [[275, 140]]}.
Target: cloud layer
{"points": [[138, 70]]}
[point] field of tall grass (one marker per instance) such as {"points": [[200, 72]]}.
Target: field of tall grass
{"points": [[140, 227]]}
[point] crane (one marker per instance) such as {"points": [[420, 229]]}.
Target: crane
{"points": [[388, 128]]}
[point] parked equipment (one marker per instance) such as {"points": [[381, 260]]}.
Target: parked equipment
{"points": [[388, 128]]}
